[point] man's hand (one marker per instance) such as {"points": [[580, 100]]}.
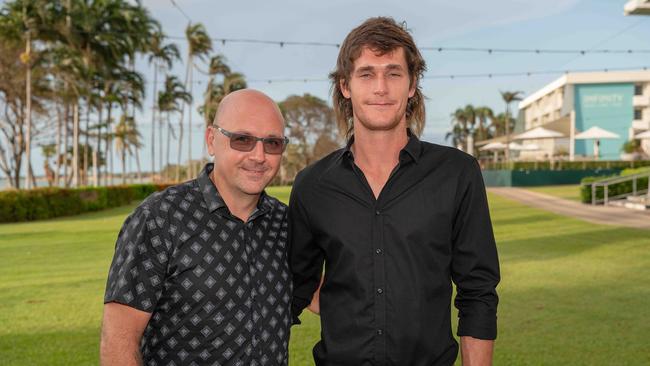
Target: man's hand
{"points": [[122, 328], [314, 307], [476, 352]]}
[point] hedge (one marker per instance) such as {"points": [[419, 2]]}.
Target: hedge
{"points": [[614, 189], [47, 203], [566, 165]]}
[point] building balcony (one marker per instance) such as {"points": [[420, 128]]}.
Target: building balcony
{"points": [[641, 101], [638, 124]]}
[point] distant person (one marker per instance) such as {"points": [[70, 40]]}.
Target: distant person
{"points": [[200, 274], [394, 220]]}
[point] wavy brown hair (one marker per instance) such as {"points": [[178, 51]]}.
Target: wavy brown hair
{"points": [[382, 35]]}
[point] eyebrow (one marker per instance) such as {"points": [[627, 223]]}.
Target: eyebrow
{"points": [[389, 67]]}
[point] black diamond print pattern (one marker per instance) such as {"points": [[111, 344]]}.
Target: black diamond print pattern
{"points": [[218, 288]]}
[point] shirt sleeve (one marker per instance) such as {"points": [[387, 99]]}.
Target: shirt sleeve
{"points": [[475, 264], [137, 273], [306, 257]]}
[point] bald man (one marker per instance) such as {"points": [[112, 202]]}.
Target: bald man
{"points": [[200, 273]]}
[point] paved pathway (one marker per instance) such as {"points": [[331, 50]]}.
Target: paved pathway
{"points": [[607, 215]]}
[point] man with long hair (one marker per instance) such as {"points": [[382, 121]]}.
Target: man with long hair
{"points": [[394, 220]]}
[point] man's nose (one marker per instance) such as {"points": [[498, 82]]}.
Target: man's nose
{"points": [[258, 154], [381, 86]]}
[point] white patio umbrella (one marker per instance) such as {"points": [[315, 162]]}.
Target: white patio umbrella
{"points": [[596, 133], [525, 147], [538, 133], [643, 135], [494, 146]]}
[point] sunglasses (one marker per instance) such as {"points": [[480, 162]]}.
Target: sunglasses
{"points": [[246, 143]]}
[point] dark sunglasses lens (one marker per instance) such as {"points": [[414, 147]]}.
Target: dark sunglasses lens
{"points": [[273, 145], [242, 142]]}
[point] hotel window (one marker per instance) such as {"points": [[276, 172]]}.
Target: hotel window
{"points": [[638, 89], [638, 114]]}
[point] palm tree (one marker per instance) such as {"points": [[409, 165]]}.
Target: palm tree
{"points": [[509, 97], [199, 45], [160, 54], [170, 100], [28, 20], [459, 123], [485, 115], [127, 138]]}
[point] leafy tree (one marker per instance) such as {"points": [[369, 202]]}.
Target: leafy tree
{"points": [[509, 97], [199, 45], [311, 128]]}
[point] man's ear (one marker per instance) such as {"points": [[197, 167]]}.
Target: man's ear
{"points": [[343, 84], [412, 88], [209, 139]]}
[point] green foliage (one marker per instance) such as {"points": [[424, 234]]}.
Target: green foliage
{"points": [[568, 165], [46, 203], [632, 146], [614, 189]]}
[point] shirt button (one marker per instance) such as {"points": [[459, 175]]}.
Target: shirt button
{"points": [[380, 291], [380, 332], [377, 213], [378, 251]]}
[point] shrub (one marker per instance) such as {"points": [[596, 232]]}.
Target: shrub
{"points": [[614, 189], [568, 165], [45, 203]]}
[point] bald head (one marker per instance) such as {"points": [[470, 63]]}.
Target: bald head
{"points": [[246, 102], [240, 171]]}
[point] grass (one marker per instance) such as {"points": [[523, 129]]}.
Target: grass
{"points": [[568, 192], [573, 293]]}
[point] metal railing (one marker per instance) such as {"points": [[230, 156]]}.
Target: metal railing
{"points": [[605, 183]]}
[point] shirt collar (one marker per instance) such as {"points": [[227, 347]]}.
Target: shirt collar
{"points": [[209, 191], [214, 200], [413, 147]]}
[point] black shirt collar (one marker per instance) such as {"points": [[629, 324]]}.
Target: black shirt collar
{"points": [[214, 200], [413, 147]]}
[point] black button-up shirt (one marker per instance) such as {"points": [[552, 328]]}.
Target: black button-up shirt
{"points": [[218, 288], [390, 261]]}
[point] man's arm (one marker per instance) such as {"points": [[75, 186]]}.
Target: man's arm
{"points": [[314, 306], [122, 328], [474, 268], [306, 257], [476, 352]]}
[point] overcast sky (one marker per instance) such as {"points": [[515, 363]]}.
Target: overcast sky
{"points": [[557, 24], [569, 24]]}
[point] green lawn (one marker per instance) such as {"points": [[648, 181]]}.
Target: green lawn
{"points": [[573, 293], [567, 191]]}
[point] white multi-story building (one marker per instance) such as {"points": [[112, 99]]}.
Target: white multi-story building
{"points": [[617, 101], [637, 7]]}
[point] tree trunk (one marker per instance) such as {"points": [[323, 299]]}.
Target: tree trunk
{"points": [[65, 143], [507, 151], [28, 113], [137, 164], [98, 146], [153, 121], [180, 124], [84, 177], [109, 146], [160, 142], [75, 145], [190, 168], [123, 164], [57, 154], [169, 138]]}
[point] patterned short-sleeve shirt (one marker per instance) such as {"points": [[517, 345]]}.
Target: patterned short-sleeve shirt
{"points": [[218, 288]]}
